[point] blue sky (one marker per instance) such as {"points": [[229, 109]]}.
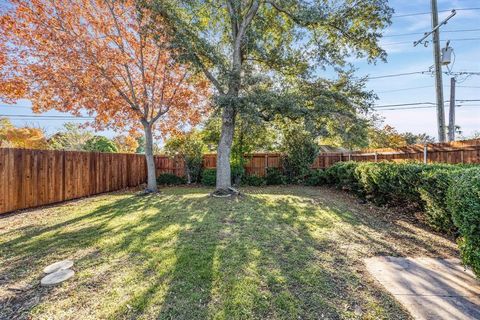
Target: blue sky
{"points": [[402, 58]]}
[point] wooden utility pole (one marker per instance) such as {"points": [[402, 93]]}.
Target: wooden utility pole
{"points": [[451, 114], [438, 73]]}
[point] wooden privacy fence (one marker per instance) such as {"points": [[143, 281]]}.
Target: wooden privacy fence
{"points": [[467, 151], [31, 178]]}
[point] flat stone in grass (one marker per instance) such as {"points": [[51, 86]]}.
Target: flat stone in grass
{"points": [[60, 265], [56, 277], [429, 288]]}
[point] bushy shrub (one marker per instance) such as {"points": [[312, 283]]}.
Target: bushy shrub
{"points": [[390, 183], [463, 199], [275, 176], [316, 178], [170, 179], [190, 148], [300, 151], [433, 192], [209, 177], [237, 172], [342, 175], [449, 195], [253, 181]]}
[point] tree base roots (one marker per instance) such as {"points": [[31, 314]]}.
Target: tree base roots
{"points": [[225, 192]]}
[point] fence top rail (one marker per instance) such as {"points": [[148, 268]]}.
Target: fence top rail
{"points": [[70, 151], [465, 145]]}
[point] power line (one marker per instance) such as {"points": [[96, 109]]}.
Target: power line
{"points": [[422, 13], [405, 42], [422, 72], [421, 87], [421, 33], [405, 89], [397, 75], [428, 107], [403, 104]]}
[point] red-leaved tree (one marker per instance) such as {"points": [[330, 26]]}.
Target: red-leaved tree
{"points": [[98, 56]]}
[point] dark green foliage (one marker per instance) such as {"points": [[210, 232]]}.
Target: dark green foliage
{"points": [[342, 175], [209, 177], [300, 151], [275, 176], [433, 192], [388, 183], [255, 181], [170, 179], [237, 172], [316, 178], [464, 201]]}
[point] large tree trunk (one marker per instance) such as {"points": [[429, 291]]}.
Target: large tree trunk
{"points": [[224, 149], [151, 175]]}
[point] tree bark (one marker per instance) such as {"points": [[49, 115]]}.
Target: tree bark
{"points": [[151, 174], [224, 149]]}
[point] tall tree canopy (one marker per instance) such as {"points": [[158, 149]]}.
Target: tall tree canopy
{"points": [[254, 51], [99, 56]]}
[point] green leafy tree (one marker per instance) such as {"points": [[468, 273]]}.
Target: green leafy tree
{"points": [[72, 137], [100, 144], [417, 138], [190, 148], [141, 145], [251, 135], [252, 50]]}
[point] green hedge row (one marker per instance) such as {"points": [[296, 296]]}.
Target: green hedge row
{"points": [[449, 195], [274, 176]]}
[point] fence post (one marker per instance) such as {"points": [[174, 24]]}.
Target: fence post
{"points": [[376, 157], [425, 153], [266, 163], [349, 157]]}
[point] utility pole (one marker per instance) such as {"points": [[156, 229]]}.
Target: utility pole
{"points": [[438, 67], [438, 73], [451, 115]]}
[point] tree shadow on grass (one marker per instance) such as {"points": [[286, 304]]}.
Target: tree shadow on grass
{"points": [[126, 233], [187, 256]]}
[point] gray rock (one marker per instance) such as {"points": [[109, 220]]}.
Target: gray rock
{"points": [[60, 265], [56, 277]]}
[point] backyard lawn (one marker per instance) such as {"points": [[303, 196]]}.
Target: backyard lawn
{"points": [[273, 253]]}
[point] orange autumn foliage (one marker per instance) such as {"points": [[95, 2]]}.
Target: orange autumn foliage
{"points": [[24, 137], [126, 144], [99, 56]]}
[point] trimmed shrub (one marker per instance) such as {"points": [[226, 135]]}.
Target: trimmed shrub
{"points": [[433, 192], [390, 183], [463, 199], [255, 181], [170, 179], [275, 176], [209, 177], [342, 175], [316, 178]]}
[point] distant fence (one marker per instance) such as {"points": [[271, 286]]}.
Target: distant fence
{"points": [[31, 178]]}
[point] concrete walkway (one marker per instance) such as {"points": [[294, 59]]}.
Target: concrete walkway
{"points": [[429, 288]]}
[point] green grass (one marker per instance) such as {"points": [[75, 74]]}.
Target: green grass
{"points": [[274, 253]]}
